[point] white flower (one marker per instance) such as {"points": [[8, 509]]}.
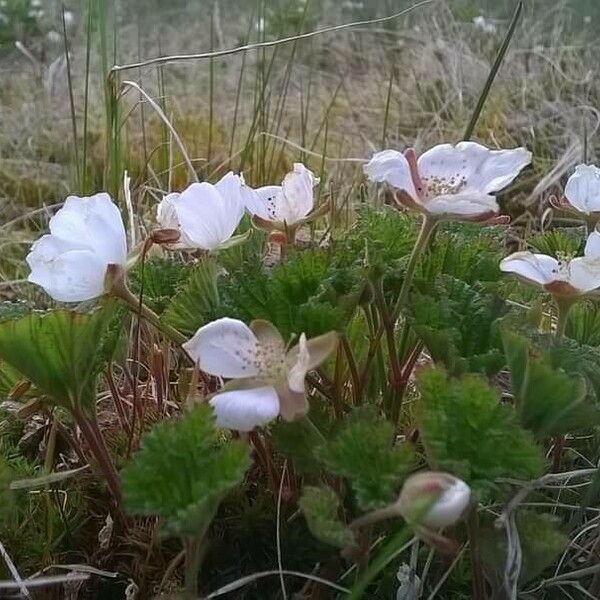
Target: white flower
{"points": [[86, 235], [206, 215], [266, 380], [582, 191], [484, 25], [69, 18], [564, 277], [449, 181], [285, 205], [448, 496], [54, 37]]}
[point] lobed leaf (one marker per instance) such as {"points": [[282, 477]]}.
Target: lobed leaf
{"points": [[62, 352], [364, 452], [321, 507], [182, 472], [466, 431]]}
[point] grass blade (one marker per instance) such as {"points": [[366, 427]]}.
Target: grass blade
{"points": [[493, 72]]}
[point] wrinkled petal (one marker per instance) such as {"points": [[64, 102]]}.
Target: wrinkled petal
{"points": [[448, 496], [584, 273], [67, 273], [243, 410], [465, 204], [391, 167], [94, 223], [536, 268], [470, 167], [592, 246], [270, 341], [308, 355], [292, 404], [205, 217], [450, 506], [583, 189], [300, 367], [298, 198], [263, 202], [167, 218], [225, 348]]}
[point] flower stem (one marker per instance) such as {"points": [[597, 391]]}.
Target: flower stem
{"points": [[95, 441], [193, 558], [133, 303], [427, 228], [564, 308]]}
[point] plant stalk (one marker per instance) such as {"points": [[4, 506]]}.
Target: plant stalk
{"points": [[123, 293]]}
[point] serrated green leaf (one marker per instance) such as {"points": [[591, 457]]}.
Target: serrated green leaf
{"points": [[162, 277], [363, 451], [459, 325], [298, 442], [182, 472], [583, 324], [557, 242], [549, 400], [321, 507], [541, 542], [62, 352], [197, 298], [466, 431]]}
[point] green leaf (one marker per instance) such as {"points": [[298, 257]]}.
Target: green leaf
{"points": [[321, 507], [363, 451], [466, 431], [583, 324], [162, 277], [299, 442], [541, 543], [463, 252], [62, 352], [549, 400], [182, 472], [195, 299], [459, 325], [557, 242]]}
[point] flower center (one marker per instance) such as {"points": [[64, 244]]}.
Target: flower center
{"points": [[431, 187], [562, 271], [270, 363], [440, 186]]}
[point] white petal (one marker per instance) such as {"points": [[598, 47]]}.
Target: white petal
{"points": [[536, 268], [298, 198], [584, 273], [243, 410], [230, 187], [450, 506], [391, 167], [583, 189], [263, 202], [308, 355], [204, 217], [592, 246], [472, 167], [95, 223], [167, 218], [298, 371], [67, 273], [226, 348], [464, 204]]}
